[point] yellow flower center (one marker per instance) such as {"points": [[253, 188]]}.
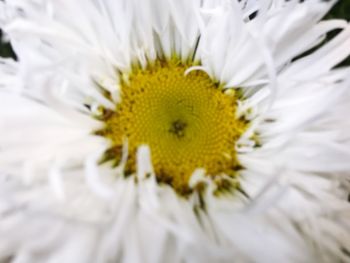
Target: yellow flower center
{"points": [[187, 121]]}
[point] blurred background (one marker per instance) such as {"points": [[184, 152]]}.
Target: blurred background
{"points": [[340, 10]]}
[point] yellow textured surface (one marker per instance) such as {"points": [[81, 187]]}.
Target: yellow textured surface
{"points": [[187, 121]]}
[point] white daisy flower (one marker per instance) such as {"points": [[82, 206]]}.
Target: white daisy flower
{"points": [[174, 131]]}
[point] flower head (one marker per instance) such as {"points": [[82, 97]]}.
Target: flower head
{"points": [[185, 131]]}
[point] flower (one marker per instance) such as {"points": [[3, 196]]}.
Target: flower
{"points": [[174, 131]]}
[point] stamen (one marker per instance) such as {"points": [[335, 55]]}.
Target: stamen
{"points": [[186, 120]]}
